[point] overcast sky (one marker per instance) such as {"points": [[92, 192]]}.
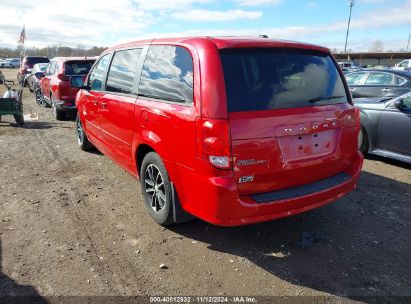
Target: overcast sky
{"points": [[108, 22]]}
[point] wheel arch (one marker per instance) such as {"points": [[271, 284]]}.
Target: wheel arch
{"points": [[142, 150]]}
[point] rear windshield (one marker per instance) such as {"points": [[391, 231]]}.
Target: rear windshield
{"points": [[34, 60], [264, 79], [78, 67]]}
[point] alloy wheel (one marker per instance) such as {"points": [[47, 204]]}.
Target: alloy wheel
{"points": [[155, 188], [79, 132], [39, 98]]}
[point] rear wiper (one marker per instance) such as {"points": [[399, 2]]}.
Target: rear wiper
{"points": [[321, 98]]}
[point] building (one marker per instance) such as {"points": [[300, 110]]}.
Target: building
{"points": [[374, 58]]}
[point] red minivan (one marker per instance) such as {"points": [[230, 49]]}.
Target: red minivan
{"points": [[233, 131]]}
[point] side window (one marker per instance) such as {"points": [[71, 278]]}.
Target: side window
{"points": [[399, 80], [47, 72], [376, 78], [51, 68], [96, 78], [355, 78], [167, 74], [122, 71], [404, 64], [57, 68], [407, 102]]}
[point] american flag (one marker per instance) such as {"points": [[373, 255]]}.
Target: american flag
{"points": [[22, 38]]}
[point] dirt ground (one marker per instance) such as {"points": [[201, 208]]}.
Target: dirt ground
{"points": [[73, 224]]}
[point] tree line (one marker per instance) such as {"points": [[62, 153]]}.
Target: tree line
{"points": [[51, 51]]}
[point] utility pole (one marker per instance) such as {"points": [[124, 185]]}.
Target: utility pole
{"points": [[408, 44], [351, 4]]}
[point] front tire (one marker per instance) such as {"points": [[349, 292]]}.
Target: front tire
{"points": [[82, 139], [156, 189], [40, 98]]}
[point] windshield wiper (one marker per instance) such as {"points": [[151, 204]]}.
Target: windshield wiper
{"points": [[321, 98]]}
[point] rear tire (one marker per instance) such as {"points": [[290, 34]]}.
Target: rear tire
{"points": [[156, 189], [363, 144], [82, 139], [58, 114]]}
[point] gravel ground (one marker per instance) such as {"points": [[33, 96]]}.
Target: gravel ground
{"points": [[73, 224]]}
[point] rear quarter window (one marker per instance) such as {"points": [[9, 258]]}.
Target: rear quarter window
{"points": [[264, 79], [167, 74]]}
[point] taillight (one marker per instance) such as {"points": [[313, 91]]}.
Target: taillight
{"points": [[62, 77], [213, 138]]}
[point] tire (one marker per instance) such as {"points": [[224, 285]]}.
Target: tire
{"points": [[19, 119], [40, 98], [58, 114], [156, 189], [363, 144], [82, 139]]}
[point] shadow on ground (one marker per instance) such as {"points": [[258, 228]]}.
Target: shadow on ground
{"points": [[389, 161], [357, 247], [12, 292], [36, 125]]}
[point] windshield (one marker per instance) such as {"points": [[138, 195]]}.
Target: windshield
{"points": [[264, 79], [78, 67]]}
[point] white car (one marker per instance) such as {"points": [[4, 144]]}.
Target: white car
{"points": [[4, 63], [403, 65], [14, 63]]}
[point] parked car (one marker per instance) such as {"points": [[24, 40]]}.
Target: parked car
{"points": [[233, 131], [14, 63], [26, 66], [379, 83], [403, 65], [55, 85], [4, 63], [386, 126], [348, 64], [37, 72]]}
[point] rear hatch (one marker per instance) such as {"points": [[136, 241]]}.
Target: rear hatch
{"points": [[73, 68], [290, 120]]}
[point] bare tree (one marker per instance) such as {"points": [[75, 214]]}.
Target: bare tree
{"points": [[376, 46]]}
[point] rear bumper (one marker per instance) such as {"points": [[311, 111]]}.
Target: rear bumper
{"points": [[66, 105], [216, 199]]}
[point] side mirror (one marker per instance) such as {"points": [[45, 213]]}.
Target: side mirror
{"points": [[39, 75], [78, 82], [399, 104]]}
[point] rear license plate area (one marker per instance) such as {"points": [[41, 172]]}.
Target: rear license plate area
{"points": [[307, 146]]}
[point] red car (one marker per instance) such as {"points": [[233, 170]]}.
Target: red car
{"points": [[232, 131], [55, 85]]}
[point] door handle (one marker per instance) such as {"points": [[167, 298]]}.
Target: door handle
{"points": [[104, 104], [386, 90]]}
